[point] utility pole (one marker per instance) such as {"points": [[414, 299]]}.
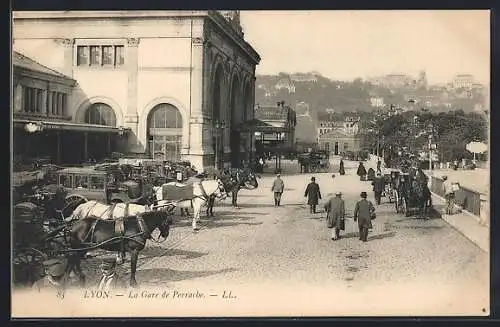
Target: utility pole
{"points": [[430, 159]]}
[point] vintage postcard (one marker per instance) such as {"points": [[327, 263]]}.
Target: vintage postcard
{"points": [[229, 163]]}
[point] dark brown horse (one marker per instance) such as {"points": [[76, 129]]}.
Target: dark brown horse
{"points": [[123, 235]]}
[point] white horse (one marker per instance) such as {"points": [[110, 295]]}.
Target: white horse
{"points": [[193, 195], [106, 211]]}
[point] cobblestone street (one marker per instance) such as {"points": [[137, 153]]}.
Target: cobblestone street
{"points": [[409, 265]]}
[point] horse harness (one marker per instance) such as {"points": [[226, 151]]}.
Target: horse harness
{"points": [[119, 225]]}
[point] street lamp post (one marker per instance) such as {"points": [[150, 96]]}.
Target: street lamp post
{"points": [[431, 131], [218, 127]]}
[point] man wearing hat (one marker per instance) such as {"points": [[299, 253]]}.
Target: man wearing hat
{"points": [[55, 278], [335, 209], [110, 279], [277, 188], [363, 213], [378, 187], [313, 194], [449, 195]]}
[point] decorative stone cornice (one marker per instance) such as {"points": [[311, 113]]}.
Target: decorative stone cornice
{"points": [[65, 42], [231, 33], [133, 42]]}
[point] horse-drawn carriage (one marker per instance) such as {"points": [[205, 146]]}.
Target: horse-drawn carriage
{"points": [[36, 236], [411, 195], [314, 161], [105, 184]]}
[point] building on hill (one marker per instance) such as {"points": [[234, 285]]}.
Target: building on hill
{"points": [[285, 83], [392, 81], [304, 77], [180, 82], [377, 102], [463, 81]]}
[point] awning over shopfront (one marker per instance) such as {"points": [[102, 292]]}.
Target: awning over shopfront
{"points": [[57, 125], [257, 125]]}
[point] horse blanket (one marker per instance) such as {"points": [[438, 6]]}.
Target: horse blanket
{"points": [[177, 192]]}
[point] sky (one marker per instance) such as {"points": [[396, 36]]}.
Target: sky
{"points": [[344, 45]]}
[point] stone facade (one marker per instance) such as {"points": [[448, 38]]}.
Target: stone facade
{"points": [[195, 61]]}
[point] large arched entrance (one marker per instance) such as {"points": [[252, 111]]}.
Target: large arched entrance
{"points": [[164, 132], [235, 138], [217, 121]]}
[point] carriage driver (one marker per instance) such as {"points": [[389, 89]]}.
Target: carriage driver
{"points": [[55, 278]]}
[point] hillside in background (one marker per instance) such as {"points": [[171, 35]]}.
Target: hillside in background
{"points": [[319, 95]]}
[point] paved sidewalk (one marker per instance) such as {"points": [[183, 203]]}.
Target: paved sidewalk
{"points": [[464, 222]]}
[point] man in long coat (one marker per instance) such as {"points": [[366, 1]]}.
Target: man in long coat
{"points": [[313, 194], [378, 187], [335, 208], [277, 188], [363, 213], [361, 172], [341, 168]]}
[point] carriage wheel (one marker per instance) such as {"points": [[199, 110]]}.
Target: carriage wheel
{"points": [[73, 198], [27, 264]]}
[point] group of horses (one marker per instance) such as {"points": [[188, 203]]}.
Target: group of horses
{"points": [[125, 227]]}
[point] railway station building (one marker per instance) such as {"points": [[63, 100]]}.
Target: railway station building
{"points": [[171, 85]]}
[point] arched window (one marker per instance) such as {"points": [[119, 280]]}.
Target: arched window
{"points": [[165, 132], [100, 114], [165, 116]]}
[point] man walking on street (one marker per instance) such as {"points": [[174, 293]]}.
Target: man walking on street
{"points": [[378, 187], [313, 194], [335, 208], [277, 188], [363, 213], [449, 195]]}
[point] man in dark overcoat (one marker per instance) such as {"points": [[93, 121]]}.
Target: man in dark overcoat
{"points": [[313, 194], [341, 168], [335, 208], [363, 213], [378, 187]]}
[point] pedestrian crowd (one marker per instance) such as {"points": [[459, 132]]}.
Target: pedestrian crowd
{"points": [[364, 210]]}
